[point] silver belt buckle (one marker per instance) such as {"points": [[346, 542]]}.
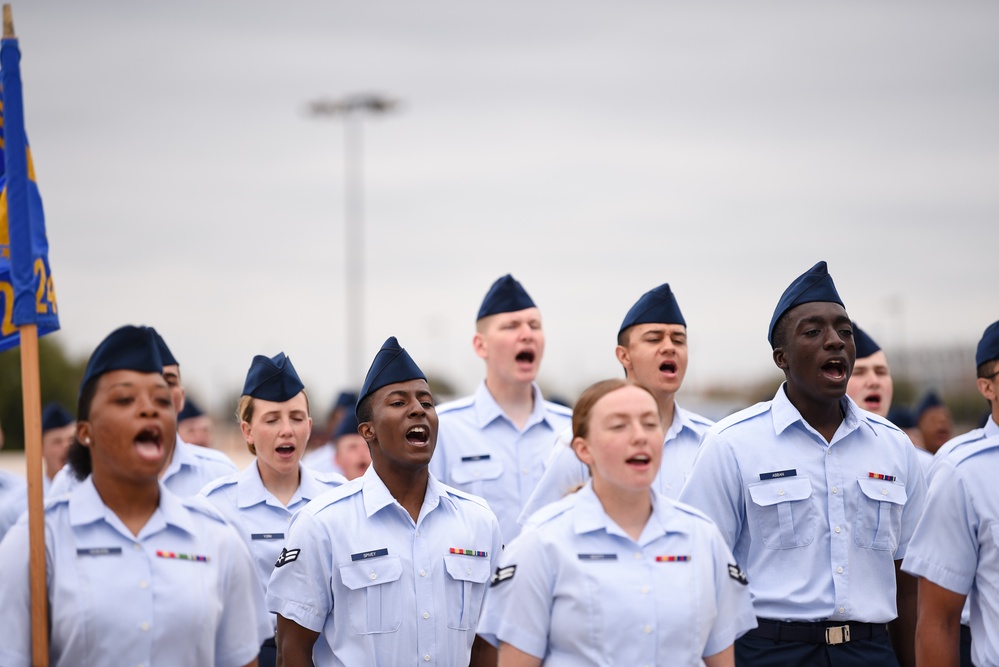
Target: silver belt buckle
{"points": [[839, 634]]}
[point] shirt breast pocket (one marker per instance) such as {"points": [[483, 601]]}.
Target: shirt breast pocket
{"points": [[471, 474], [465, 587], [879, 514], [374, 597], [784, 512]]}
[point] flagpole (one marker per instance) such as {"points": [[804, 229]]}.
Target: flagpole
{"points": [[31, 397]]}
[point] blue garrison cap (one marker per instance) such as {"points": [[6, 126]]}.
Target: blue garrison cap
{"points": [[505, 296], [930, 400], [346, 399], [55, 416], [128, 348], [348, 425], [657, 306], [988, 346], [392, 364], [272, 379], [190, 411], [813, 285], [865, 344], [902, 417], [165, 353]]}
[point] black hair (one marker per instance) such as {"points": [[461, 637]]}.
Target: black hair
{"points": [[779, 336], [364, 411], [78, 456]]}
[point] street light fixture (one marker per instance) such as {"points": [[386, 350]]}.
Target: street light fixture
{"points": [[353, 109]]}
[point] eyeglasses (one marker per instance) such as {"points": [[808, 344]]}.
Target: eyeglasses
{"points": [[989, 377]]}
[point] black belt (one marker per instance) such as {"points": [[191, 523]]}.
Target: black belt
{"points": [[821, 632]]}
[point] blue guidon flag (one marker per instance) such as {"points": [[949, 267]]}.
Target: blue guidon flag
{"points": [[27, 292]]}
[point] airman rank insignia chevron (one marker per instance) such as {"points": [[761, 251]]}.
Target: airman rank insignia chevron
{"points": [[287, 556], [737, 574], [502, 574]]}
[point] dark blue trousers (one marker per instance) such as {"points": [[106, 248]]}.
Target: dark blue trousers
{"points": [[759, 652]]}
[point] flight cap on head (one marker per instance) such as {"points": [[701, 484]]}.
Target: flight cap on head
{"points": [[657, 306], [347, 426], [392, 364], [190, 411], [930, 400], [126, 348], [55, 416], [988, 346], [272, 379], [505, 296], [813, 285], [902, 417], [865, 344], [346, 399], [165, 353]]}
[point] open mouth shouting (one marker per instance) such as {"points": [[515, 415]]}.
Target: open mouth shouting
{"points": [[149, 444], [835, 370], [640, 461], [668, 367], [285, 450], [418, 436], [871, 401], [526, 357]]}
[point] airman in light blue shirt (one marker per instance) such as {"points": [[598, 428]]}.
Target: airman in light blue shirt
{"points": [[494, 444]]}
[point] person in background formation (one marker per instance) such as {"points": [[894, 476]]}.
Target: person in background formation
{"points": [[136, 575], [260, 501], [904, 418], [494, 444], [346, 453], [188, 467], [193, 425], [390, 568], [816, 498], [321, 438], [961, 519], [652, 348], [871, 386], [58, 430], [934, 421], [617, 574]]}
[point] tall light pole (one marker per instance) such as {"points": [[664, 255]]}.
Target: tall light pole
{"points": [[353, 108]]}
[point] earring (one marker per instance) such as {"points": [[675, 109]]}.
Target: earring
{"points": [[86, 440]]}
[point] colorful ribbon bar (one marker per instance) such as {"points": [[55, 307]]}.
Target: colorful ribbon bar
{"points": [[672, 559], [174, 554], [469, 552], [877, 475]]}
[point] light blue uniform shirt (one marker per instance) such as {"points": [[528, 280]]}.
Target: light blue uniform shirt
{"points": [[575, 589], [817, 525], [482, 452], [381, 589], [13, 500], [180, 593], [956, 544], [190, 469], [955, 446], [260, 518], [565, 472]]}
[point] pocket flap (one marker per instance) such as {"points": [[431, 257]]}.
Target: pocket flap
{"points": [[783, 490], [371, 572], [881, 490], [473, 471], [467, 568]]}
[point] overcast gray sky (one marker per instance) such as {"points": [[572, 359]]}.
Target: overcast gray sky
{"points": [[593, 149]]}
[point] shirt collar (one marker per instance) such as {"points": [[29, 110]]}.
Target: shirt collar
{"points": [[590, 516], [991, 428], [784, 414], [488, 410], [681, 420], [251, 490], [86, 506], [376, 495], [182, 456]]}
